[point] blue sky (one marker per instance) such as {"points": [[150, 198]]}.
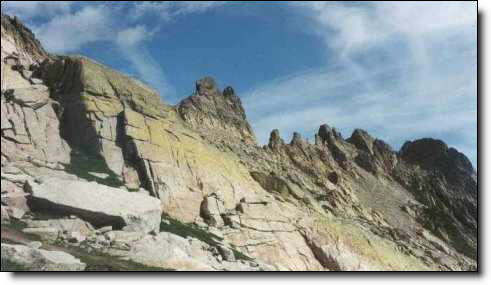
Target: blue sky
{"points": [[400, 70]]}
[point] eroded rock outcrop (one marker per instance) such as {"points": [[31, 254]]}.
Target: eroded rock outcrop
{"points": [[84, 137], [212, 110], [30, 134], [444, 180]]}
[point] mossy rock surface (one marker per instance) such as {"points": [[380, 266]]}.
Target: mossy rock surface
{"points": [[98, 79]]}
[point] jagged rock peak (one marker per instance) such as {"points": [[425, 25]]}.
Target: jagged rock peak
{"points": [[362, 140], [207, 86], [297, 139], [275, 140], [431, 153], [23, 38], [326, 132], [215, 112], [229, 91], [221, 190]]}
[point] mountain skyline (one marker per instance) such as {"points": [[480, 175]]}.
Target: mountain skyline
{"points": [[399, 70]]}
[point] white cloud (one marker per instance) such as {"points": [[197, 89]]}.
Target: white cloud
{"points": [[68, 28], [362, 26], [189, 7], [169, 10], [70, 32], [425, 86], [148, 69], [133, 36], [29, 9], [309, 100], [131, 44]]}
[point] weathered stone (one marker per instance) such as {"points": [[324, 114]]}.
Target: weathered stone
{"points": [[75, 237], [100, 205], [40, 260], [5, 215], [275, 140], [205, 146], [226, 253], [64, 225], [46, 234], [16, 213], [333, 177], [212, 208], [104, 230], [170, 251], [362, 140], [35, 244], [36, 81], [297, 139], [14, 199], [326, 133], [27, 74], [214, 113], [123, 237], [272, 183], [28, 97], [228, 91], [366, 161], [206, 86]]}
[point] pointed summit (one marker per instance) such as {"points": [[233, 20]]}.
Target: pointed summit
{"points": [[207, 86], [275, 140], [216, 114]]}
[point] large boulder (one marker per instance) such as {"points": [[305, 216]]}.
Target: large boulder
{"points": [[98, 204], [172, 252], [33, 259]]}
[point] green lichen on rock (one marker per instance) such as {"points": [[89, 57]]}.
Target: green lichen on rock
{"points": [[377, 252], [101, 80]]}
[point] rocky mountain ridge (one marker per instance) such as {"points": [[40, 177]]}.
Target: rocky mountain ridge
{"points": [[187, 187]]}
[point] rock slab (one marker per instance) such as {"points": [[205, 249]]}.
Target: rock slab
{"points": [[33, 259], [98, 204]]}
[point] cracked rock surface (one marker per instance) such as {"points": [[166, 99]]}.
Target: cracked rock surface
{"points": [[94, 162]]}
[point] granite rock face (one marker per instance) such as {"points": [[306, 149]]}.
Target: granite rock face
{"points": [[81, 139], [40, 260], [444, 180]]}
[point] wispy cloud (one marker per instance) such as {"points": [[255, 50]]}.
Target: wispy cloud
{"points": [[169, 10], [29, 9], [71, 31], [68, 27], [131, 43], [402, 71]]}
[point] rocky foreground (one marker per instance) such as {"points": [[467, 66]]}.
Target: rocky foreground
{"points": [[97, 173]]}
